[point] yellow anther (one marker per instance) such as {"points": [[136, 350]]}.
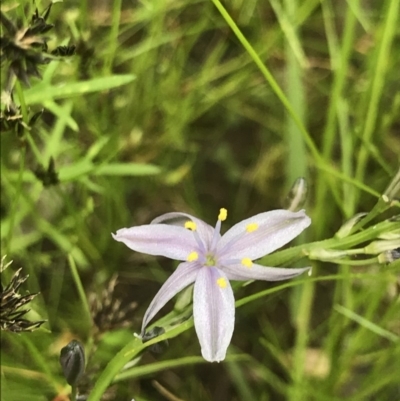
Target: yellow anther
{"points": [[192, 256], [251, 227], [247, 262], [223, 213], [190, 225], [222, 282]]}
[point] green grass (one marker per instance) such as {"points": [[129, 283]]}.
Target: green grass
{"points": [[194, 106]]}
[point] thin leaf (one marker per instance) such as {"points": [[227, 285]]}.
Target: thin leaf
{"points": [[41, 93], [127, 169]]}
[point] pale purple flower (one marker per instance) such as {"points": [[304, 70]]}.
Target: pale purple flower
{"points": [[210, 261]]}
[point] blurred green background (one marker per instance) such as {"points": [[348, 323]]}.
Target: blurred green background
{"points": [[163, 108]]}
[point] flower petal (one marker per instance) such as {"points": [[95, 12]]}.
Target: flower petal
{"points": [[179, 219], [184, 275], [257, 272], [158, 239], [214, 313], [261, 234]]}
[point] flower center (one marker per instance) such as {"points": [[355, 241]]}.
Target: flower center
{"points": [[210, 260]]}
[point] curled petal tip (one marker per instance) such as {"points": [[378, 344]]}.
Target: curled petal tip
{"points": [[117, 235]]}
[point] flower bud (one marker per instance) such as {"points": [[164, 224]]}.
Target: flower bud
{"points": [[390, 235], [327, 254], [156, 331], [376, 247], [72, 360], [346, 228], [393, 190], [297, 195], [389, 256]]}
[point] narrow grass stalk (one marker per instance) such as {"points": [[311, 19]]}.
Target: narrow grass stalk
{"points": [[83, 14], [271, 80], [113, 38], [54, 143], [237, 374], [15, 203], [297, 157], [367, 323], [21, 98], [380, 207], [24, 110], [378, 81], [302, 323], [156, 367], [81, 291], [40, 361], [296, 166], [339, 56]]}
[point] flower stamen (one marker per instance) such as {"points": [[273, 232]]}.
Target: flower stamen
{"points": [[251, 227], [247, 262], [193, 256], [191, 225], [223, 214], [222, 282]]}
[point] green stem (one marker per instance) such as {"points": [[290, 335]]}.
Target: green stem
{"points": [[135, 346], [297, 252], [73, 393], [363, 262], [381, 206], [131, 350]]}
